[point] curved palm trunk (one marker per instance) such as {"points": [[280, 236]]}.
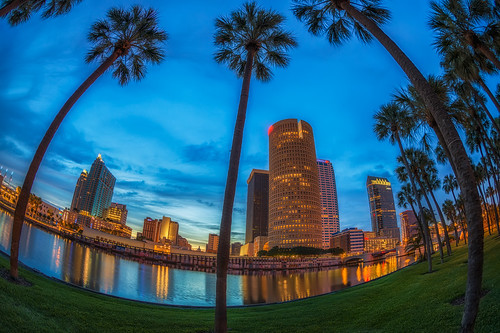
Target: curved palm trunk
{"points": [[441, 216], [488, 219], [455, 231], [22, 202], [488, 54], [5, 10], [227, 209], [464, 171], [425, 229], [421, 229], [486, 110], [487, 160]]}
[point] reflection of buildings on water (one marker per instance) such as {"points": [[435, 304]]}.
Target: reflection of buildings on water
{"points": [[161, 275]]}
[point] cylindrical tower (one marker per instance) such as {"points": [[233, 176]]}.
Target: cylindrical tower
{"points": [[294, 196]]}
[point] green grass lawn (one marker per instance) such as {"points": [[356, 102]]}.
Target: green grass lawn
{"points": [[405, 301]]}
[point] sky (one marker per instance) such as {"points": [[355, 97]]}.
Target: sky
{"points": [[167, 138]]}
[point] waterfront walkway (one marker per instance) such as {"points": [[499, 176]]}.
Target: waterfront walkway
{"points": [[408, 300]]}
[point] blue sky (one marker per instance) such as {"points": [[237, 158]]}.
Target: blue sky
{"points": [[167, 138]]}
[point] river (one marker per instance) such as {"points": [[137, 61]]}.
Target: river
{"points": [[94, 269]]}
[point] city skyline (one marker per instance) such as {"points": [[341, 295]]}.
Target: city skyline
{"points": [[167, 138]]}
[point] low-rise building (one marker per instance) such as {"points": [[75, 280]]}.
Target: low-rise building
{"points": [[350, 240]]}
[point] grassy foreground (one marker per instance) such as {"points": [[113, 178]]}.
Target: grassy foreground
{"points": [[405, 301]]}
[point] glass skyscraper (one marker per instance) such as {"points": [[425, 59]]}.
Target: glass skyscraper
{"points": [[382, 209], [97, 189], [257, 205], [329, 203]]}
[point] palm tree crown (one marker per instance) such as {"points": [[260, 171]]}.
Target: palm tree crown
{"points": [[133, 35], [328, 17], [465, 23], [252, 29], [392, 121], [22, 10]]}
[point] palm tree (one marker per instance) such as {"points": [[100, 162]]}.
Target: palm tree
{"points": [[392, 122], [340, 19], [450, 212], [19, 11], [249, 40], [125, 42], [466, 23]]}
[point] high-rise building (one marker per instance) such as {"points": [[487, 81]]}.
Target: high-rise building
{"points": [[294, 197], [151, 229], [213, 243], [98, 189], [257, 205], [382, 209], [329, 203], [164, 230], [79, 191], [116, 212], [409, 226]]}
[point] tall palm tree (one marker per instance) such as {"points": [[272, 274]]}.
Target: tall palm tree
{"points": [[450, 212], [392, 122], [467, 23], [250, 39], [19, 11], [125, 41], [340, 19]]}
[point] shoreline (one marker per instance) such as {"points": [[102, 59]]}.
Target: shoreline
{"points": [[197, 262]]}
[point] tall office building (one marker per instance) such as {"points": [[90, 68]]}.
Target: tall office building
{"points": [[161, 230], [98, 189], [329, 203], [294, 197], [213, 243], [382, 209], [79, 190], [116, 212], [409, 226], [257, 205]]}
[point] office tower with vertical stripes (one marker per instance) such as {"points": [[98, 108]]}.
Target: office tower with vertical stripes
{"points": [[329, 203], [382, 209]]}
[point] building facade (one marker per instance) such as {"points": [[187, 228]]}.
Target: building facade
{"points": [[213, 243], [329, 203], [79, 191], [164, 230], [116, 212], [374, 243], [409, 226], [294, 196], [382, 209], [98, 189], [257, 205], [350, 240]]}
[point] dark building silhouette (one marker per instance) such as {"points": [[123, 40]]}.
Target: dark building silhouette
{"points": [[257, 205], [382, 209]]}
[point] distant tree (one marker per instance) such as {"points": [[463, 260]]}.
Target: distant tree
{"points": [[249, 40], [19, 11], [125, 41]]}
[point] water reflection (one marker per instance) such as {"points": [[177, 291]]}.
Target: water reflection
{"points": [[97, 270]]}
